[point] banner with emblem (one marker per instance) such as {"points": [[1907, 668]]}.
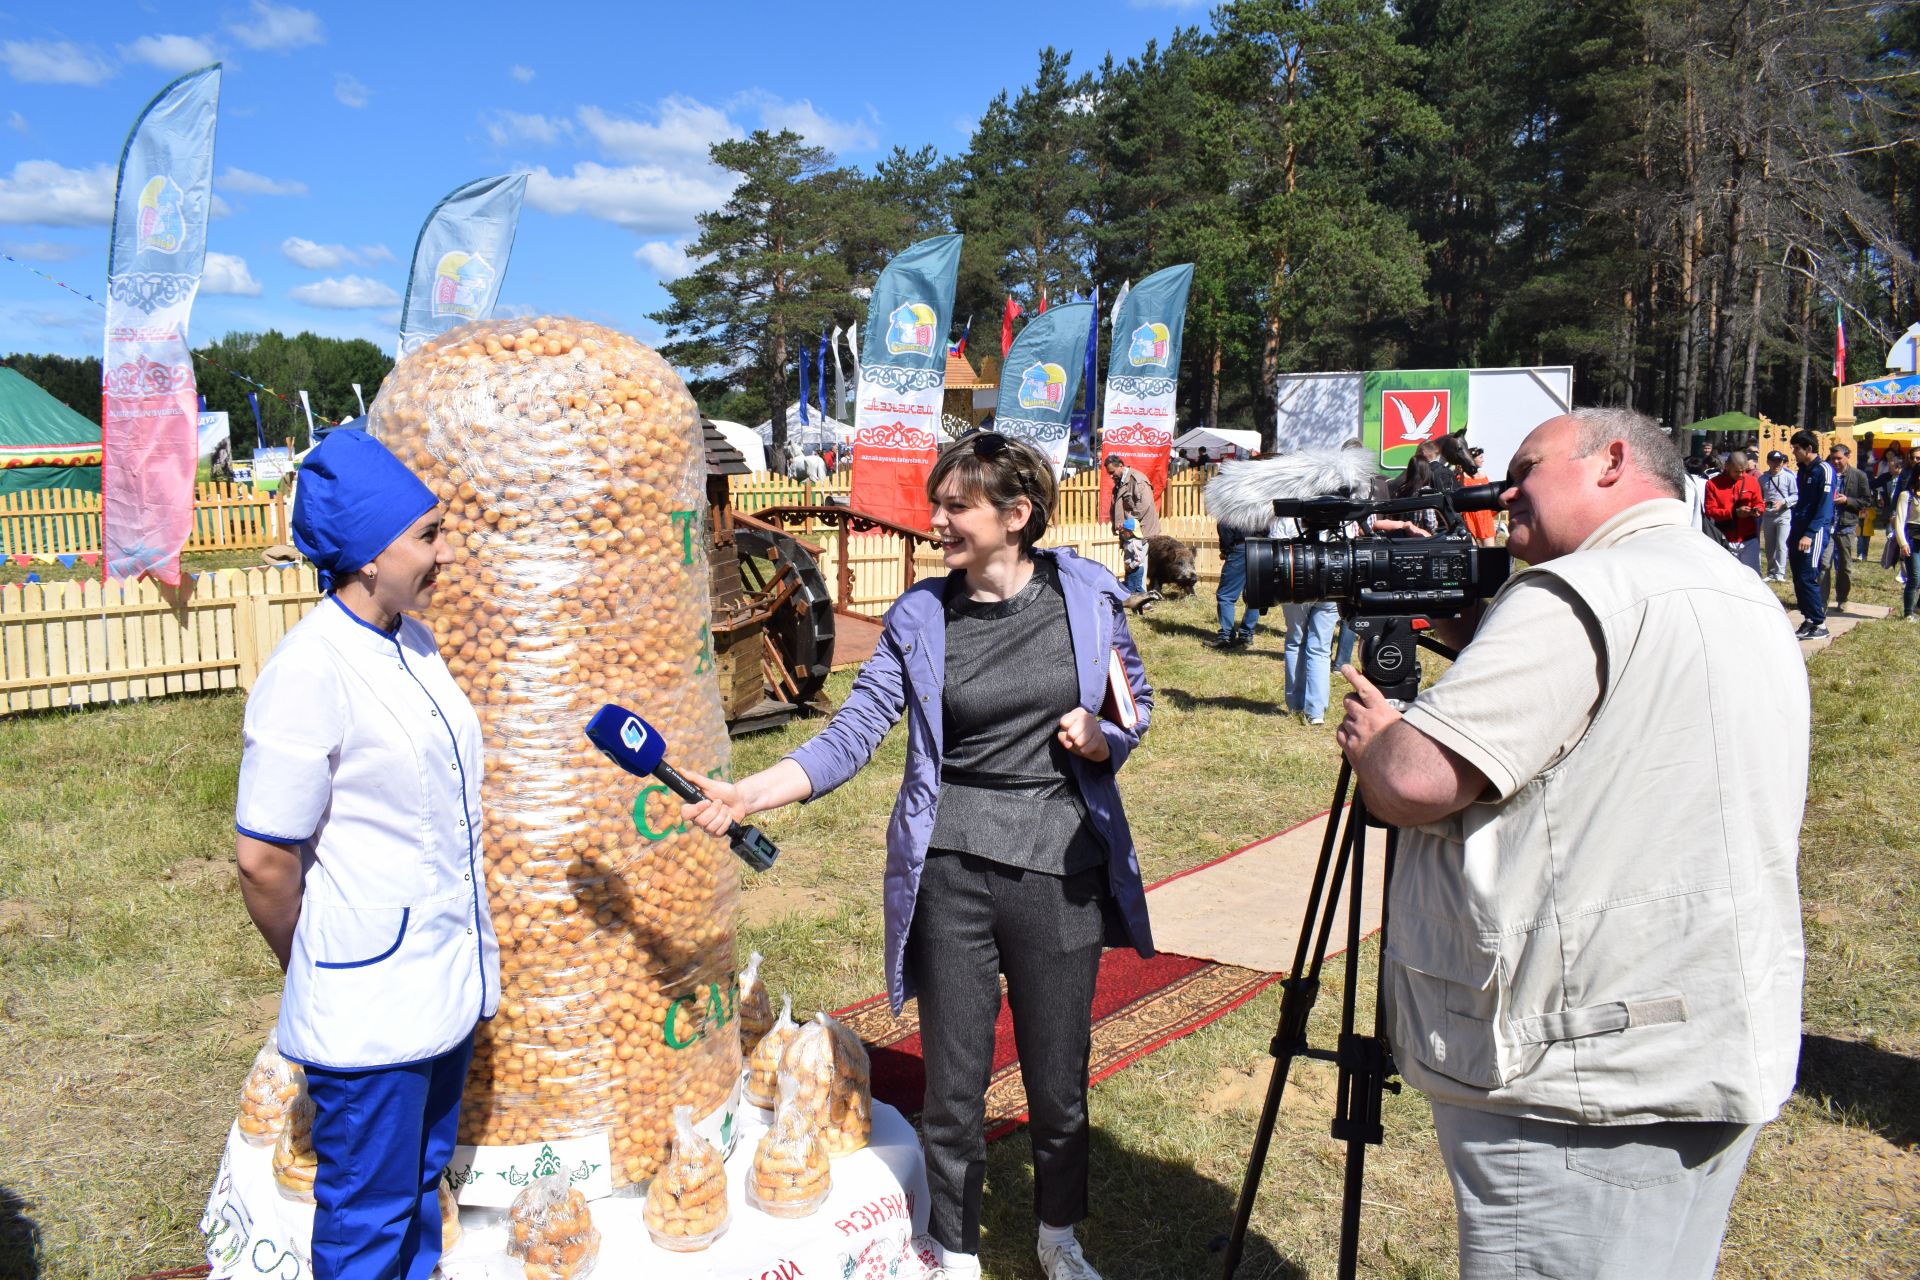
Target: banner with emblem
{"points": [[151, 408], [902, 377], [461, 258], [1402, 409], [1041, 377], [1143, 376]]}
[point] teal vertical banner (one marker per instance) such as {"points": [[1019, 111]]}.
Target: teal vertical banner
{"points": [[902, 380], [1041, 377], [460, 259]]}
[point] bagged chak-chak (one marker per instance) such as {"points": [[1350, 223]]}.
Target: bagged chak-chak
{"points": [[573, 467], [756, 1006], [790, 1175], [836, 1082], [550, 1229], [450, 1229], [271, 1086], [763, 1064], [294, 1163], [687, 1202]]}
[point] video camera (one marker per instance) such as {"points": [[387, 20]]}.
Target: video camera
{"points": [[1377, 577]]}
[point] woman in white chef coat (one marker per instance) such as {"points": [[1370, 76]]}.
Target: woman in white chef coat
{"points": [[359, 849]]}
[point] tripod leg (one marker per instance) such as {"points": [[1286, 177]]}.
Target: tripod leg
{"points": [[1301, 989]]}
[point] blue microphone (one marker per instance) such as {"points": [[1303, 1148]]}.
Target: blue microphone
{"points": [[637, 747]]}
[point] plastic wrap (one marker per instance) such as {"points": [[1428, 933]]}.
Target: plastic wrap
{"points": [[763, 1064], [756, 1006], [550, 1230], [790, 1166], [573, 467], [836, 1083], [687, 1203], [272, 1085], [450, 1231], [294, 1163]]}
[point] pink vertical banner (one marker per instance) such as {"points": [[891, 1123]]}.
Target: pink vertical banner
{"points": [[150, 419]]}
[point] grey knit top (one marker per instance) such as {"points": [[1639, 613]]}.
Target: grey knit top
{"points": [[1007, 792]]}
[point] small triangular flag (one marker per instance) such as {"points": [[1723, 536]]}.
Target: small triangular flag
{"points": [[67, 561], [22, 558], [90, 557]]}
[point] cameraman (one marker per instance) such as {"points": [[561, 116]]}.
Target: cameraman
{"points": [[1593, 972]]}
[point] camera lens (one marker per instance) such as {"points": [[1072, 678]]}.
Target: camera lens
{"points": [[1290, 571]]}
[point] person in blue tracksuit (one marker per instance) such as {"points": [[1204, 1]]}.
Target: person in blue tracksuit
{"points": [[1810, 534], [358, 824]]}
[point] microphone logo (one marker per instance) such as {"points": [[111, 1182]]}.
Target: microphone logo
{"points": [[633, 733]]}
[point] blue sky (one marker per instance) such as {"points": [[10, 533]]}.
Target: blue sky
{"points": [[342, 124]]}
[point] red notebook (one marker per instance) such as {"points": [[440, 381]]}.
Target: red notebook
{"points": [[1118, 705]]}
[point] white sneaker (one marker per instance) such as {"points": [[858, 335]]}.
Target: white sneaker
{"points": [[1066, 1262], [1316, 720]]}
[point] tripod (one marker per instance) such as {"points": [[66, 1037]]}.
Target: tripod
{"points": [[1388, 648]]}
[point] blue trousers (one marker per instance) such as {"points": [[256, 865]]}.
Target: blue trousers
{"points": [[1136, 580], [1806, 575], [1233, 582], [1309, 646], [382, 1138]]}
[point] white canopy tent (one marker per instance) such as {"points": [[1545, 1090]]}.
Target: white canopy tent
{"points": [[816, 434], [745, 440], [1218, 442]]}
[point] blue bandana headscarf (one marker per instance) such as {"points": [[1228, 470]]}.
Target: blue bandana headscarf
{"points": [[351, 499]]}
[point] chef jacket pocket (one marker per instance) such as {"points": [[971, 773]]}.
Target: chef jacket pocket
{"points": [[350, 938]]}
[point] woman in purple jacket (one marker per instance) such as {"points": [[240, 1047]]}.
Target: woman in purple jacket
{"points": [[1008, 852]]}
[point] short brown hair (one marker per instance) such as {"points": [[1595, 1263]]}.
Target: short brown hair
{"points": [[1001, 470]]}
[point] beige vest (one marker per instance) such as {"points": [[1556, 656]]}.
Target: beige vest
{"points": [[1620, 942]]}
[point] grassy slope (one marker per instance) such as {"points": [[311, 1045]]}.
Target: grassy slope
{"points": [[133, 992]]}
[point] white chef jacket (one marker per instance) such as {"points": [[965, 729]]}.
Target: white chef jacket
{"points": [[361, 750]]}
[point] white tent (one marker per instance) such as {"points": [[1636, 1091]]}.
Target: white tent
{"points": [[1218, 442], [743, 439], [817, 434]]}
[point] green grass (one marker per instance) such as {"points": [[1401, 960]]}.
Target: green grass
{"points": [[192, 562], [133, 991]]}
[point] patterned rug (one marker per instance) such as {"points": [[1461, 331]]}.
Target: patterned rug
{"points": [[1138, 1006]]}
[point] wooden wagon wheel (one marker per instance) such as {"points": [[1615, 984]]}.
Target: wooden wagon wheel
{"points": [[794, 595]]}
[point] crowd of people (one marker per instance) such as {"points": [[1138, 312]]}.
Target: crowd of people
{"points": [[1601, 1002]]}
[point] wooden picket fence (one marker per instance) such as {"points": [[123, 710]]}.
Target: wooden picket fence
{"points": [[1079, 494], [68, 644], [226, 517]]}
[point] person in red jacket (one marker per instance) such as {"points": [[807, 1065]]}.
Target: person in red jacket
{"points": [[1734, 505]]}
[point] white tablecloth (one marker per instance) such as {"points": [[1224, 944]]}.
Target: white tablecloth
{"points": [[866, 1230]]}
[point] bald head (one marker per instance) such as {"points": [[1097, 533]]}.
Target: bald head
{"points": [[1575, 472]]}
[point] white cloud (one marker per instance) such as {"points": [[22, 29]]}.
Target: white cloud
{"points": [[325, 257], [277, 28], [668, 261], [645, 198], [348, 89], [42, 250], [524, 75], [346, 294], [682, 129], [504, 128], [226, 273], [170, 52], [821, 130], [49, 194], [219, 208], [54, 62], [243, 182], [17, 122]]}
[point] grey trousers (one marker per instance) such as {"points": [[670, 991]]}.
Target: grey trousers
{"points": [[1590, 1202], [973, 921], [1773, 536]]}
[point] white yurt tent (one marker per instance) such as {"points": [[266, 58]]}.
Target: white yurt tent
{"points": [[744, 439], [1218, 442], [815, 434]]}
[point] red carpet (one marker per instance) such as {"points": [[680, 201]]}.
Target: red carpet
{"points": [[1138, 1006]]}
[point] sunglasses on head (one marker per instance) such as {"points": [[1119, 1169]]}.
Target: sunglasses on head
{"points": [[988, 444]]}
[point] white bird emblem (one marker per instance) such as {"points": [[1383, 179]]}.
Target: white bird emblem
{"points": [[1411, 430]]}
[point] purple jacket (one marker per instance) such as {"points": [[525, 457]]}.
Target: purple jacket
{"points": [[908, 670]]}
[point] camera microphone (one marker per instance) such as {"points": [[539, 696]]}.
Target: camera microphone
{"points": [[1241, 497], [637, 747]]}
